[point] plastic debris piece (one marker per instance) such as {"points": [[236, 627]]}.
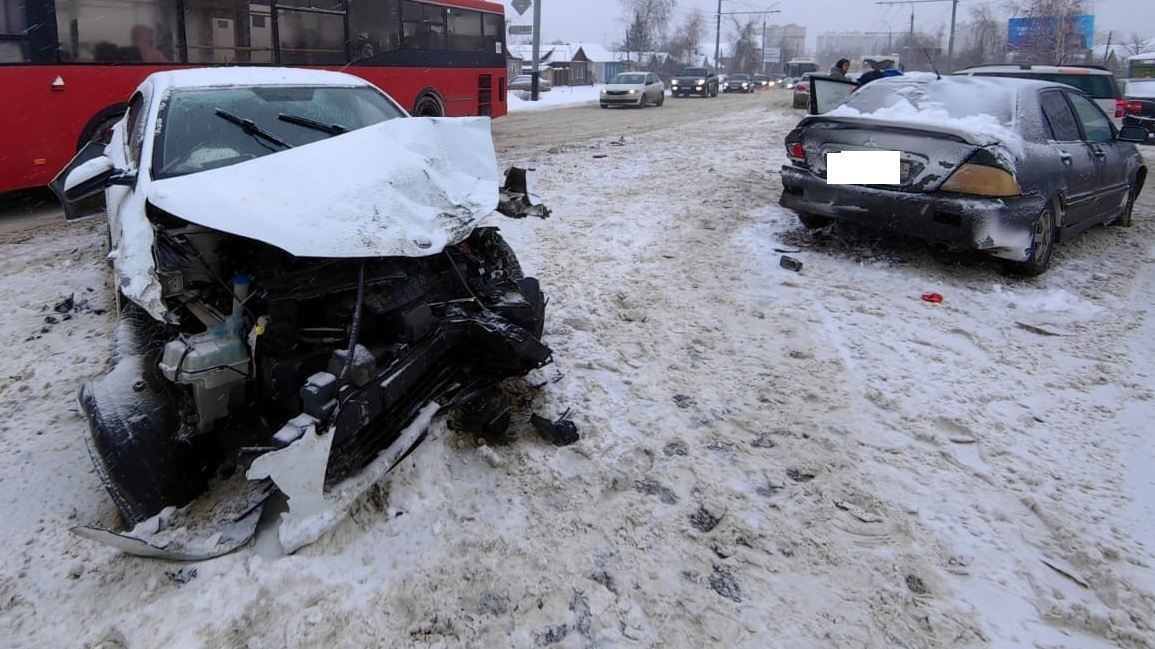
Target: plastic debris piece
{"points": [[933, 298], [790, 263], [562, 432]]}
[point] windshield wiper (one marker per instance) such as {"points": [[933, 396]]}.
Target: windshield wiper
{"points": [[250, 127], [331, 129]]}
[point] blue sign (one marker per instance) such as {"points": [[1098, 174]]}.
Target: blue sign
{"points": [[1050, 33]]}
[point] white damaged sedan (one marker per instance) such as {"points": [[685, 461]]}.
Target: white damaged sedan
{"points": [[304, 281]]}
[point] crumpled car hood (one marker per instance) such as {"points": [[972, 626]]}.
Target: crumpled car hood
{"points": [[403, 187]]}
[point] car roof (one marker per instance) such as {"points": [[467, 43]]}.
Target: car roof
{"points": [[250, 76], [1045, 69]]}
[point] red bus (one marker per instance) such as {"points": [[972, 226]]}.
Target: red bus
{"points": [[67, 66]]}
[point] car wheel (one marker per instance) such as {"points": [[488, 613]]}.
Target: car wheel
{"points": [[1124, 218], [605, 105], [642, 101], [813, 221], [662, 99], [1042, 245]]}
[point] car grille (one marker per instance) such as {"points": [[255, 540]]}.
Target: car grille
{"points": [[617, 92]]}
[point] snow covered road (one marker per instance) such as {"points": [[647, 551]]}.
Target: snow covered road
{"points": [[768, 458]]}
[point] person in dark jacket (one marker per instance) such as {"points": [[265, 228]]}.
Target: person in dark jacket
{"points": [[840, 69]]}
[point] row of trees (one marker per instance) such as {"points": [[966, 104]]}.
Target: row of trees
{"points": [[649, 24]]}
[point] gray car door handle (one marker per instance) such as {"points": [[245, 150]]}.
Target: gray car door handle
{"points": [[1065, 157]]}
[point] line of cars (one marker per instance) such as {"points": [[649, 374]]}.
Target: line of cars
{"points": [[1004, 160]]}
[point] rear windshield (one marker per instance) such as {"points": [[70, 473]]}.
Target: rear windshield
{"points": [[1140, 89], [1099, 86], [957, 97]]}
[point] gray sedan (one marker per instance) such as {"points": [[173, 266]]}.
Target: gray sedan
{"points": [[638, 89], [1004, 166]]}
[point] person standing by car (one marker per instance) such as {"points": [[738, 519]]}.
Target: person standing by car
{"points": [[840, 69]]}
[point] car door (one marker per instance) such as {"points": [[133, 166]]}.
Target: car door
{"points": [[1110, 158], [653, 90], [1080, 168]]}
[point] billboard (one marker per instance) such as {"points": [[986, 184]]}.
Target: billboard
{"points": [[772, 55], [1049, 33]]}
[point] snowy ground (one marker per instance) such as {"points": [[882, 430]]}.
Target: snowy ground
{"points": [[768, 458]]}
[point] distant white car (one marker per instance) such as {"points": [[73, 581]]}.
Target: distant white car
{"points": [[637, 89], [525, 82]]}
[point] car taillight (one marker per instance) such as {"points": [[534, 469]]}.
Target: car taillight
{"points": [[1132, 107], [801, 86], [1118, 108], [795, 152]]}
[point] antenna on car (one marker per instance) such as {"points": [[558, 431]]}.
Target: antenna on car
{"points": [[937, 76]]}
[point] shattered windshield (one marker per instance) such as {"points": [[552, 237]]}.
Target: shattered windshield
{"points": [[207, 128]]}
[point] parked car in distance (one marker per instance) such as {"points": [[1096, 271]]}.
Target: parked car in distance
{"points": [[1139, 103], [1008, 167], [637, 89], [738, 82], [1099, 83], [525, 82], [291, 298], [802, 91], [694, 81]]}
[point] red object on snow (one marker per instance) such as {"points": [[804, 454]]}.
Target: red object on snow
{"points": [[933, 298]]}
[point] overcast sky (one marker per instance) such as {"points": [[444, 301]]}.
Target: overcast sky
{"points": [[602, 21]]}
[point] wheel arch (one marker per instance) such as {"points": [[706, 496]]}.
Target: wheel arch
{"points": [[103, 116], [429, 103]]}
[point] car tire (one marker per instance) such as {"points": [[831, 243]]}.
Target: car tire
{"points": [[1125, 217], [1042, 244], [605, 105], [813, 221], [642, 101], [662, 99]]}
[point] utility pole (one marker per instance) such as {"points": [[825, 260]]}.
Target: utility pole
{"points": [[536, 50], [718, 38], [953, 15]]}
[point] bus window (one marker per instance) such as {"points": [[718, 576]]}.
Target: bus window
{"points": [[311, 38], [375, 23], [423, 26], [494, 29], [465, 31], [119, 31], [13, 22], [228, 31]]}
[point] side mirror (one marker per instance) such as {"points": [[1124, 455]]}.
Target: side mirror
{"points": [[1136, 134], [80, 185]]}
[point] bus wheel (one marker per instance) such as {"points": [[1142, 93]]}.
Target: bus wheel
{"points": [[428, 106], [99, 128]]}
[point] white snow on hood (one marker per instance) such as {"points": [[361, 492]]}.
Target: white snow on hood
{"points": [[403, 187]]}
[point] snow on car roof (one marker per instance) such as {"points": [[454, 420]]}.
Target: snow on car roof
{"points": [[251, 76], [983, 107]]}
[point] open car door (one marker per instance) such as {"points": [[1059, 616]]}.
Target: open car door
{"points": [[827, 93]]}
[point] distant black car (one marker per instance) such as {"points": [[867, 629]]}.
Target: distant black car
{"points": [[1139, 103], [1004, 166], [739, 82], [761, 81], [694, 81]]}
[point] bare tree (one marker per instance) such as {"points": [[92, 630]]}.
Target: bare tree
{"points": [[648, 22], [687, 37], [747, 54], [987, 38]]}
